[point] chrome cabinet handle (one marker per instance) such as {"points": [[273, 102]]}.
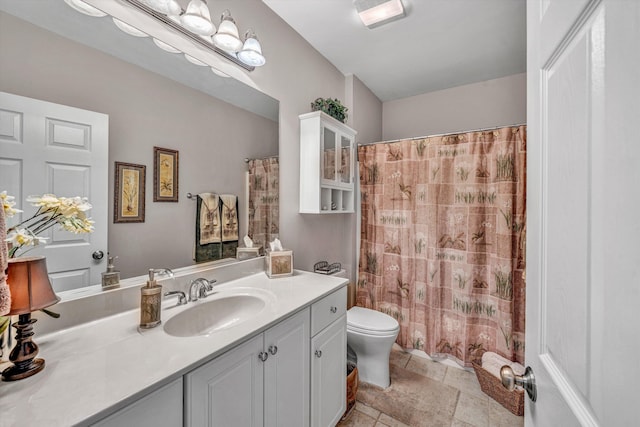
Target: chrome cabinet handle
{"points": [[526, 381], [263, 356], [318, 353], [97, 255], [273, 349], [333, 309]]}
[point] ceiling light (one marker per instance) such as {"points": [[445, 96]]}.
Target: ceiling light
{"points": [[168, 7], [85, 8], [251, 52], [197, 18], [374, 13], [227, 37], [132, 31]]}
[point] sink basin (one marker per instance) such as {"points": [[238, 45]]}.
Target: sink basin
{"points": [[211, 316]]}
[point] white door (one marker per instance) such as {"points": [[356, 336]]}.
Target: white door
{"points": [[583, 202], [51, 148]]}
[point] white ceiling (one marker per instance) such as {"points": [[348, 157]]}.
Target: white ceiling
{"points": [[438, 45]]}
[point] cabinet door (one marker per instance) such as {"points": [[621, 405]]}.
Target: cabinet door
{"points": [[162, 407], [329, 155], [346, 174], [228, 391], [328, 374], [286, 376]]}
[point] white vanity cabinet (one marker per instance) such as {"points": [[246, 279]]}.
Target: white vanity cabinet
{"points": [[162, 407], [262, 382], [327, 164], [329, 359]]}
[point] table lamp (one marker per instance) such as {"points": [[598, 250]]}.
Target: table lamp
{"points": [[31, 290]]}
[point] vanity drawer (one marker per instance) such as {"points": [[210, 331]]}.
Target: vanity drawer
{"points": [[328, 309]]}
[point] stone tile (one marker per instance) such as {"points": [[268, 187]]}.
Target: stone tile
{"points": [[472, 410], [412, 399], [465, 381], [499, 416], [358, 419], [368, 410], [386, 420], [398, 356], [458, 423], [426, 367]]}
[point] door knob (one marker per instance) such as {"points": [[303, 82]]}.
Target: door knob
{"points": [[97, 255], [526, 381]]}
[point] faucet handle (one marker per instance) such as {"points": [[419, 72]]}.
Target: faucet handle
{"points": [[182, 298]]}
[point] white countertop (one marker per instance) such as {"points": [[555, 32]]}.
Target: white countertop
{"points": [[96, 368]]}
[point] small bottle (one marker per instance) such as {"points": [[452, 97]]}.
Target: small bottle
{"points": [[150, 301], [111, 277]]}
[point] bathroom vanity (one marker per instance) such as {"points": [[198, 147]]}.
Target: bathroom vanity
{"points": [[283, 362]]}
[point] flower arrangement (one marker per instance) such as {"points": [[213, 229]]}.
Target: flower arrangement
{"points": [[68, 213]]}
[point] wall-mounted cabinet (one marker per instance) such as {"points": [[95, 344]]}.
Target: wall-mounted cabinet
{"points": [[327, 164]]}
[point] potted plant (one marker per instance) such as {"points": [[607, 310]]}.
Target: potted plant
{"points": [[332, 107]]}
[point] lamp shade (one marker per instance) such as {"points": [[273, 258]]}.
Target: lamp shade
{"points": [[251, 53], [227, 37], [197, 18], [29, 285]]}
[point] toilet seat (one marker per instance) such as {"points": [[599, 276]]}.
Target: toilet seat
{"points": [[370, 322]]}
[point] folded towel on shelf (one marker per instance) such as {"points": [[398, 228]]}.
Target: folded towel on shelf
{"points": [[493, 362], [209, 218], [229, 217], [5, 295]]}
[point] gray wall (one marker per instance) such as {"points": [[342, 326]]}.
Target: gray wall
{"points": [[486, 104], [145, 110]]}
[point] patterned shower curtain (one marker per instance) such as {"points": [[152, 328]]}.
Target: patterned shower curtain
{"points": [[442, 241], [263, 200]]}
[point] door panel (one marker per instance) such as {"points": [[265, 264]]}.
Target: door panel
{"points": [[582, 207], [52, 148]]}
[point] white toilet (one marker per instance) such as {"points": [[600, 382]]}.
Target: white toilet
{"points": [[371, 335]]}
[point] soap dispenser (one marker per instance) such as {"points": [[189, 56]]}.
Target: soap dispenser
{"points": [[111, 277], [151, 298]]}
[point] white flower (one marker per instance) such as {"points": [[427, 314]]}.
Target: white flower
{"points": [[24, 237], [8, 204]]}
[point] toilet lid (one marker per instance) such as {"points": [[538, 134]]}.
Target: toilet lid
{"points": [[372, 320]]}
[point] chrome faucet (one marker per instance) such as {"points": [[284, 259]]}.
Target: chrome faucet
{"points": [[198, 288], [182, 298]]}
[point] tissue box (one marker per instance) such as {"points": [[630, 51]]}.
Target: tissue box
{"points": [[278, 263], [246, 253]]}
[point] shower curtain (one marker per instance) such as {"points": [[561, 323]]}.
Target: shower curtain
{"points": [[442, 241], [263, 224]]}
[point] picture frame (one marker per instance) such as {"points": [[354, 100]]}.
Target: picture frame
{"points": [[165, 175], [129, 192]]}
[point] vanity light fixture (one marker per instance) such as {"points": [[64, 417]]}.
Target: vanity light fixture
{"points": [[375, 13], [251, 52], [195, 24]]}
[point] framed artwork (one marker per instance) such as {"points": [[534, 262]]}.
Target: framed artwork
{"points": [[129, 192], [165, 175]]}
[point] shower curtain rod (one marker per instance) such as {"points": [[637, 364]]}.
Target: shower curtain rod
{"points": [[443, 134], [246, 159]]}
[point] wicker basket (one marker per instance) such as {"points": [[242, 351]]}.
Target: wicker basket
{"points": [[511, 400]]}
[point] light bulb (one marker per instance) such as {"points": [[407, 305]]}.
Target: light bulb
{"points": [[227, 37], [251, 53], [197, 18]]}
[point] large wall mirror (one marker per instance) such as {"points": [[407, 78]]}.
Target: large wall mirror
{"points": [[152, 98]]}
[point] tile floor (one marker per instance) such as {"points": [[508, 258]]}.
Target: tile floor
{"points": [[430, 394]]}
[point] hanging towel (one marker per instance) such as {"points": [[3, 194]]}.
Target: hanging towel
{"points": [[229, 217], [5, 295], [209, 224]]}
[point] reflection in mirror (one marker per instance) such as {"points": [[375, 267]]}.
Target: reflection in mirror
{"points": [[152, 99]]}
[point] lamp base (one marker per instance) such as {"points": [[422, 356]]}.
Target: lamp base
{"points": [[23, 355], [15, 372]]}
